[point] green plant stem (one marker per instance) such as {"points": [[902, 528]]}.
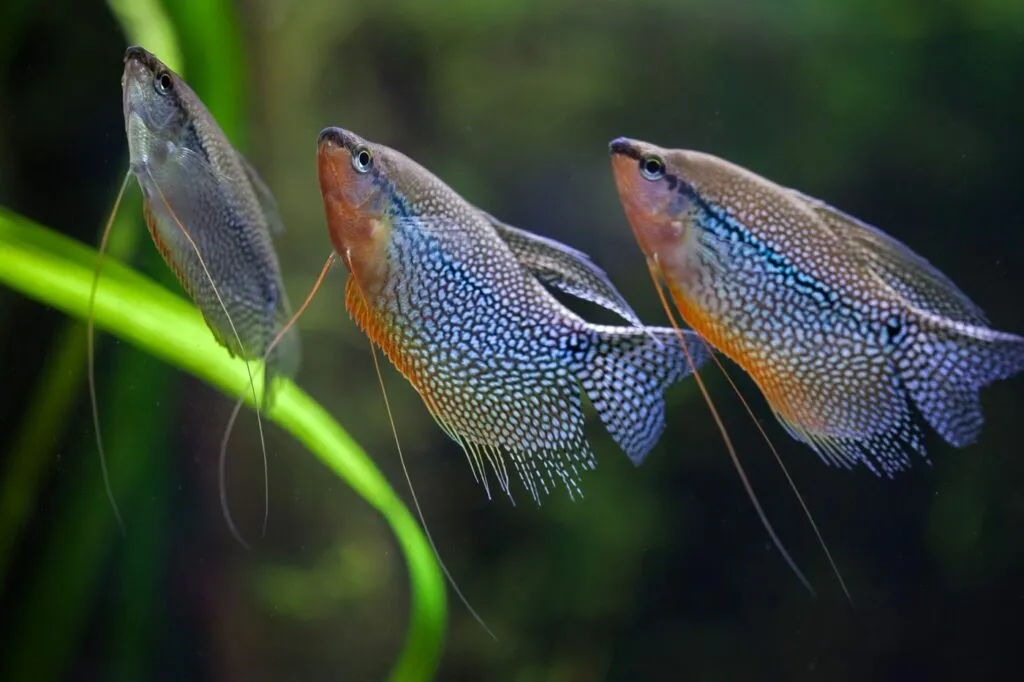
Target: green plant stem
{"points": [[57, 271]]}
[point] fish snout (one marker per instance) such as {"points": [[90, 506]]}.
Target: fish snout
{"points": [[331, 167], [136, 53], [330, 137], [135, 90], [623, 146], [339, 138], [139, 65], [136, 67]]}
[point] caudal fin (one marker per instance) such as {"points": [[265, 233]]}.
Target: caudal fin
{"points": [[626, 377], [946, 367]]}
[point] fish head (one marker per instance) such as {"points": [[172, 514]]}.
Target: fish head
{"points": [[358, 197], [648, 192], [660, 190], [158, 107]]}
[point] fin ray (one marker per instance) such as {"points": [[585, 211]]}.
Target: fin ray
{"points": [[912, 277], [946, 368]]}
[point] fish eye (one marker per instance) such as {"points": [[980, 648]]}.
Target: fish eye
{"points": [[652, 167], [163, 83], [362, 159]]}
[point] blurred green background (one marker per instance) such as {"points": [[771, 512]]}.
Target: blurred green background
{"points": [[906, 114]]}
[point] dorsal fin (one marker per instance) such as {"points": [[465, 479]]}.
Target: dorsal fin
{"points": [[264, 196], [564, 268], [912, 277]]}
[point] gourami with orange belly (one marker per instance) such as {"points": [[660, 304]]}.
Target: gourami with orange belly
{"points": [[457, 301], [845, 330]]}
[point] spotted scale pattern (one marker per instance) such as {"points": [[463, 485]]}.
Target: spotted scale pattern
{"points": [[499, 362], [193, 180], [846, 330]]}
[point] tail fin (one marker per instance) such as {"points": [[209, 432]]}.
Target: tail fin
{"points": [[625, 378], [946, 366]]}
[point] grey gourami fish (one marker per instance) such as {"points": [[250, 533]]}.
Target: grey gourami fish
{"points": [[458, 303], [193, 181], [843, 328]]}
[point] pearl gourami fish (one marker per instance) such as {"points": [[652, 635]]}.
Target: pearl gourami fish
{"points": [[846, 331], [458, 302], [204, 202], [211, 217]]}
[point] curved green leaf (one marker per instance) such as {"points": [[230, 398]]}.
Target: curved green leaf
{"points": [[57, 271]]}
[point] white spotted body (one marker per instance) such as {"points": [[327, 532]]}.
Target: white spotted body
{"points": [[844, 329], [455, 299]]}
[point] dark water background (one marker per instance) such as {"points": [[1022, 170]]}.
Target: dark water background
{"points": [[906, 114]]}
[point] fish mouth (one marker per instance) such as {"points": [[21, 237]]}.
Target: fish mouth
{"points": [[330, 159], [339, 138], [330, 147], [329, 137], [623, 146], [136, 53]]}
